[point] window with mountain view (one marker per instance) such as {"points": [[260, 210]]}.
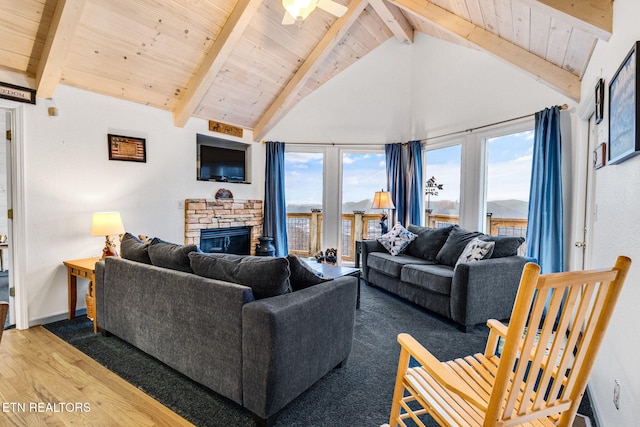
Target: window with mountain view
{"points": [[509, 160], [442, 186], [362, 175], [304, 187]]}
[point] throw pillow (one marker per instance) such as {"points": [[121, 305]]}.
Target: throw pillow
{"points": [[134, 249], [476, 250], [455, 244], [397, 239], [171, 255], [302, 276], [429, 241], [505, 245], [266, 276]]}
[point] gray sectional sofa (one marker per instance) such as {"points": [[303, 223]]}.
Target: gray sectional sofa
{"points": [[260, 353], [426, 274]]}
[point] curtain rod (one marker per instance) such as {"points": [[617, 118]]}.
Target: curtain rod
{"points": [[562, 107]]}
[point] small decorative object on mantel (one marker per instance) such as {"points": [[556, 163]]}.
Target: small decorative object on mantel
{"points": [[265, 247], [223, 193]]}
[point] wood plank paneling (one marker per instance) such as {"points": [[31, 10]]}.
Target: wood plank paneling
{"points": [[521, 25], [540, 29], [559, 35], [149, 51], [574, 59], [504, 17]]}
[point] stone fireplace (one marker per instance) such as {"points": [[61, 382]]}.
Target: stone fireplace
{"points": [[203, 214]]}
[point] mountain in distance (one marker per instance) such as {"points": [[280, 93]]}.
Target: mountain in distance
{"points": [[499, 208]]}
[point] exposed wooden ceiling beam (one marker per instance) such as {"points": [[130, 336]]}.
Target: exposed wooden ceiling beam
{"points": [[214, 60], [282, 103], [556, 77], [395, 20], [594, 17], [62, 29]]}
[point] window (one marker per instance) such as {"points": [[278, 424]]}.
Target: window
{"points": [[442, 186], [303, 188], [362, 175], [509, 160], [481, 180]]}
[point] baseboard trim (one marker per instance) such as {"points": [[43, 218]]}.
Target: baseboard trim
{"points": [[56, 317]]}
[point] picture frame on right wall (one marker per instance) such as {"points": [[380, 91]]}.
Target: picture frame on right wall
{"points": [[624, 111]]}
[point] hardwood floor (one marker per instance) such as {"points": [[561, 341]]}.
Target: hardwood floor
{"points": [[46, 382]]}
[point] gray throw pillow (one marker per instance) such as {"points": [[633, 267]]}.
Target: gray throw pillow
{"points": [[302, 276], [170, 255], [429, 241], [505, 245], [455, 244], [134, 249], [266, 276]]}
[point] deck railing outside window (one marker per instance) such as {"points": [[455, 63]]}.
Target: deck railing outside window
{"points": [[304, 230]]}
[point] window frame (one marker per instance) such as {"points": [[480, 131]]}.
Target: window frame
{"points": [[473, 167]]}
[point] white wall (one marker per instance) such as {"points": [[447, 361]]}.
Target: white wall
{"points": [[69, 176], [616, 231]]}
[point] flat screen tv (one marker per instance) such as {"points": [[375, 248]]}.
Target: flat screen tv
{"points": [[220, 160]]}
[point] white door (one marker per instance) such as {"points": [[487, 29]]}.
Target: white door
{"points": [[591, 212], [5, 207]]}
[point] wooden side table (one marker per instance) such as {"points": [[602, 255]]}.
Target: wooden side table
{"points": [[85, 269]]}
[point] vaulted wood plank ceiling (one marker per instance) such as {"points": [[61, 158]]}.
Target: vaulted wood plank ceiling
{"points": [[233, 61]]}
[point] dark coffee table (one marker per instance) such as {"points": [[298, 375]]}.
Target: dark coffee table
{"points": [[334, 271]]}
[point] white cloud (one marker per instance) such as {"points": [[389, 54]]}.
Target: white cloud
{"points": [[302, 157]]}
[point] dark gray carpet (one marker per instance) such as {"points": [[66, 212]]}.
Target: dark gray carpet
{"points": [[357, 395]]}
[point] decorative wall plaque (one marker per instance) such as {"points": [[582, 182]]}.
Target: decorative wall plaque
{"points": [[225, 128], [17, 93]]}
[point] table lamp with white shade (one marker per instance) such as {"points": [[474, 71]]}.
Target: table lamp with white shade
{"points": [[107, 224], [382, 200]]}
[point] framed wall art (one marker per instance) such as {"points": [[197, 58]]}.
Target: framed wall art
{"points": [[599, 101], [624, 137], [127, 148], [599, 154]]}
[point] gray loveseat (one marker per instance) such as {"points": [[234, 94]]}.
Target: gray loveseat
{"points": [[426, 274], [260, 353]]}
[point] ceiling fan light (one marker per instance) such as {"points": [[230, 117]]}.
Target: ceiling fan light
{"points": [[299, 9]]}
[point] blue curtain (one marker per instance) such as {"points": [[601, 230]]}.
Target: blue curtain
{"points": [[415, 189], [404, 181], [545, 240], [395, 179], [275, 207]]}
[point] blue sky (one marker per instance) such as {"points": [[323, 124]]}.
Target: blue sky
{"points": [[508, 160]]}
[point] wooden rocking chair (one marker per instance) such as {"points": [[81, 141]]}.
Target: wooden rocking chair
{"points": [[539, 374]]}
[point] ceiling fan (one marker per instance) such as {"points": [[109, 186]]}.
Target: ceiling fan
{"points": [[298, 10]]}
